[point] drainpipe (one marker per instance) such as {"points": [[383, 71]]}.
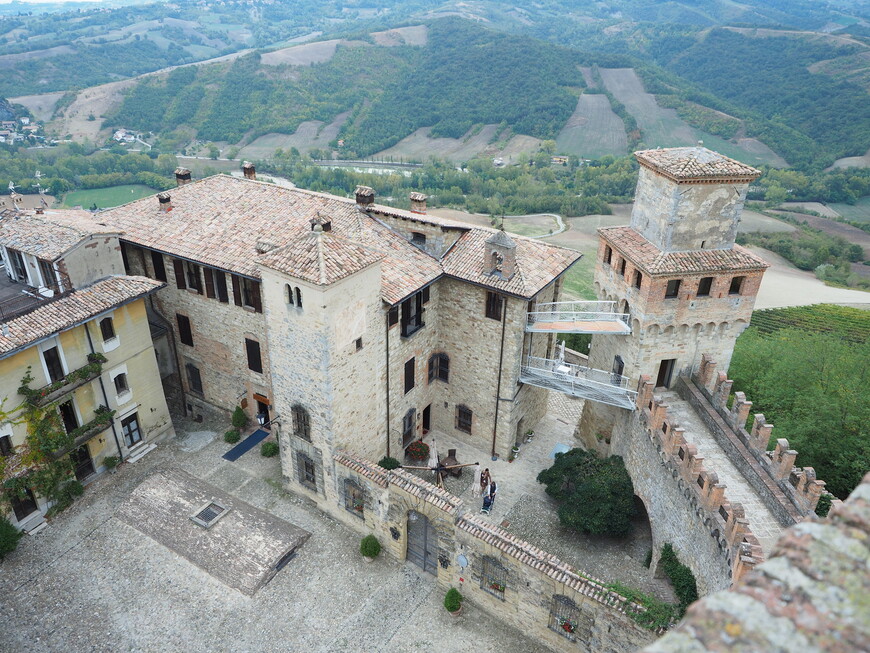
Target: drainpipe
{"points": [[387, 340], [498, 385], [105, 396]]}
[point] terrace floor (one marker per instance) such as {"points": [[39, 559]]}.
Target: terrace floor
{"points": [[15, 298]]}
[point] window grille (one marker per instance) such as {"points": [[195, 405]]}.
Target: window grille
{"points": [[463, 418], [354, 498], [493, 577], [493, 305], [301, 422], [194, 378], [564, 617], [409, 424], [306, 470], [439, 368]]}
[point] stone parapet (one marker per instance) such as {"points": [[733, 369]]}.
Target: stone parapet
{"points": [[791, 493], [724, 520]]}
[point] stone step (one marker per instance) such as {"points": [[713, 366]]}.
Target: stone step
{"points": [[34, 524], [137, 453]]}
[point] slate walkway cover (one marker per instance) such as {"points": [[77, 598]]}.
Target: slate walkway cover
{"points": [[243, 548]]}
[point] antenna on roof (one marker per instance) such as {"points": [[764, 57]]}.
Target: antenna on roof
{"points": [[11, 187]]}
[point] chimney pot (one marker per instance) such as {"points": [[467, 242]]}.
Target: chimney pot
{"points": [[164, 202], [418, 203], [365, 195], [249, 170], [182, 176]]}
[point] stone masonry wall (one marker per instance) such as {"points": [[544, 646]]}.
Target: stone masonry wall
{"points": [[219, 332], [531, 577], [686, 503]]}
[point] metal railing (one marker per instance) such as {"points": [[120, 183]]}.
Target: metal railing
{"points": [[574, 312], [27, 300], [579, 381]]}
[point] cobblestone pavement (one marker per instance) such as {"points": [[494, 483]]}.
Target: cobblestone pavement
{"points": [[91, 583], [761, 520], [524, 506]]}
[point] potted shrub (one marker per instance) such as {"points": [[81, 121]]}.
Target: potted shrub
{"points": [[232, 436], [388, 462], [369, 547], [111, 463], [453, 602], [418, 450]]}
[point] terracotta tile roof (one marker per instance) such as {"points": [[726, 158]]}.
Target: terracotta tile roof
{"points": [[364, 468], [694, 163], [320, 258], [537, 263], [49, 235], [219, 221], [72, 309], [652, 260]]}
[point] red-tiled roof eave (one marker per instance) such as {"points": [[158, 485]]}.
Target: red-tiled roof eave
{"points": [[706, 179]]}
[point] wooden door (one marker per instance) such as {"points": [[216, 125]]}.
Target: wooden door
{"points": [[25, 507], [82, 462], [422, 543]]}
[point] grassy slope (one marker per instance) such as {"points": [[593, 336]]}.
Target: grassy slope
{"points": [[106, 198]]}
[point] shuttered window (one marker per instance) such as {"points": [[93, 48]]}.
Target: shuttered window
{"points": [[178, 267], [185, 333], [220, 285], [255, 363], [409, 375], [159, 266], [208, 273]]}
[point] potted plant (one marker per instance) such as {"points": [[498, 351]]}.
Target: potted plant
{"points": [[453, 602], [418, 450], [369, 548], [111, 463], [232, 436]]}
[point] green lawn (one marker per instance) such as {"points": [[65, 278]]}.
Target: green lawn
{"points": [[578, 283], [106, 198]]}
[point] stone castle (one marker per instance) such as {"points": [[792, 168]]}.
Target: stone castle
{"points": [[353, 329]]}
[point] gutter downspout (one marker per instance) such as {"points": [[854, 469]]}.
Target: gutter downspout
{"points": [[387, 340], [105, 396], [498, 385]]}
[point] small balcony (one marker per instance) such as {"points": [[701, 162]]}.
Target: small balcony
{"points": [[102, 421], [18, 299], [578, 381], [578, 317], [73, 380]]}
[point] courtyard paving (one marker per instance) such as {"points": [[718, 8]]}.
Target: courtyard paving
{"points": [[523, 508], [90, 582]]}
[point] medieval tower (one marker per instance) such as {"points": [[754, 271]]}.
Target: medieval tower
{"points": [[674, 276]]}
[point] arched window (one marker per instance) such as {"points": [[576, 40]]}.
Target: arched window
{"points": [[298, 298], [439, 368], [301, 423], [288, 290]]}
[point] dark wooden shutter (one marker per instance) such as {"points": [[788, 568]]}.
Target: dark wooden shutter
{"points": [[237, 291], [220, 279], [409, 375], [425, 294], [184, 331], [209, 282], [255, 362], [179, 274], [159, 267], [197, 278], [255, 296], [393, 315]]}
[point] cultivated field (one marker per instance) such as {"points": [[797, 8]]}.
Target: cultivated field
{"points": [[41, 106], [859, 211], [853, 162], [818, 207], [310, 134], [413, 35], [106, 198], [419, 146], [302, 55], [593, 130], [662, 127], [834, 228]]}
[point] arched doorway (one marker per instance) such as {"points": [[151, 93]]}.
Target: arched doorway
{"points": [[422, 542]]}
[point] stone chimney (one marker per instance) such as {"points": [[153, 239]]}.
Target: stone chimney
{"points": [[249, 170], [418, 203], [500, 255], [365, 195], [40, 210], [322, 221], [164, 202], [182, 176]]}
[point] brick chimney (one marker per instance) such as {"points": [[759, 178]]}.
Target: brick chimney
{"points": [[182, 176], [501, 255], [365, 195], [249, 170], [164, 202], [418, 203]]}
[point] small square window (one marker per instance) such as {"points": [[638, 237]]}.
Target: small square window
{"points": [[736, 285], [463, 418], [121, 385], [608, 254], [6, 447], [704, 287], [493, 306], [638, 278], [358, 344], [673, 289], [622, 267], [107, 328]]}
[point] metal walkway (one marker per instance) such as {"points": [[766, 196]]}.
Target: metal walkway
{"points": [[578, 317], [578, 381]]}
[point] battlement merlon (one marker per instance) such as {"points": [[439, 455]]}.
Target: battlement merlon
{"points": [[689, 198]]}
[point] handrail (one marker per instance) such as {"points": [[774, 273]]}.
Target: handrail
{"points": [[577, 312], [570, 372]]}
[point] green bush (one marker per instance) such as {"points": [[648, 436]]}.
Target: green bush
{"points": [[111, 462], [388, 462], [453, 600], [370, 547], [232, 436], [74, 489], [9, 536], [681, 577], [595, 494], [239, 419], [269, 449], [824, 504]]}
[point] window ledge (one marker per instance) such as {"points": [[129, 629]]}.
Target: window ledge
{"points": [[124, 397], [111, 344]]}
